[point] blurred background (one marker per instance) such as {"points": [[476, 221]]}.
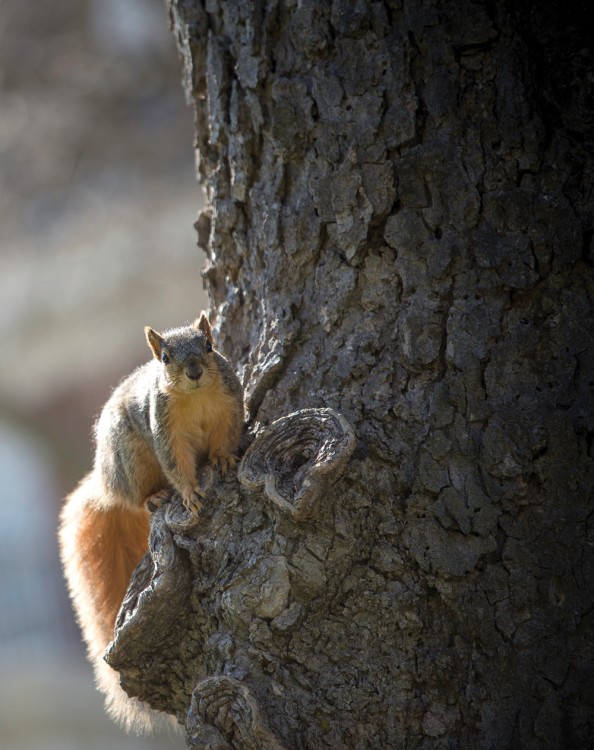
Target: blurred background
{"points": [[97, 204]]}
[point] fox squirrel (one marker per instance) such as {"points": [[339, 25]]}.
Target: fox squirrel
{"points": [[183, 407]]}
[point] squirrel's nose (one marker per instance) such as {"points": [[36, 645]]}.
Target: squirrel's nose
{"points": [[193, 370]]}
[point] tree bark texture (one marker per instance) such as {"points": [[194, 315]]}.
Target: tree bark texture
{"points": [[399, 237]]}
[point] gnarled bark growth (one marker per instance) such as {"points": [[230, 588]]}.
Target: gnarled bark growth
{"points": [[297, 459]]}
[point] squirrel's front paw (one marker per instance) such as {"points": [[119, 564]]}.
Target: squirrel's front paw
{"points": [[156, 500], [224, 461], [192, 500]]}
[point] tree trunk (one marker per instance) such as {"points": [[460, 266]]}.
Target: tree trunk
{"points": [[400, 257]]}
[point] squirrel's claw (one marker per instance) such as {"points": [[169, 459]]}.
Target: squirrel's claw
{"points": [[191, 500], [224, 461]]}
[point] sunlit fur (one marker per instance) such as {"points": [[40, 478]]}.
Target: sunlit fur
{"points": [[100, 549]]}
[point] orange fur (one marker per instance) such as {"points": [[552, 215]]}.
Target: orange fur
{"points": [[100, 546], [203, 424], [222, 430]]}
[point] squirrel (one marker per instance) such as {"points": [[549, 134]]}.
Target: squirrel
{"points": [[183, 407]]}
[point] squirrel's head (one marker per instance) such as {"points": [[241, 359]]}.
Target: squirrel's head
{"points": [[185, 354]]}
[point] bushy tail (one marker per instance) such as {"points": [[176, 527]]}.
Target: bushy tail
{"points": [[100, 545]]}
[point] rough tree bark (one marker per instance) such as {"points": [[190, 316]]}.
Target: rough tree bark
{"points": [[400, 260]]}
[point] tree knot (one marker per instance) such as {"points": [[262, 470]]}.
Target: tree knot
{"points": [[297, 457]]}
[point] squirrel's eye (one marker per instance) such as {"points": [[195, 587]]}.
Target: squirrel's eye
{"points": [[208, 346], [165, 358]]}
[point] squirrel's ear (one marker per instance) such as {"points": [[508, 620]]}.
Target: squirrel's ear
{"points": [[202, 324], [154, 340]]}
